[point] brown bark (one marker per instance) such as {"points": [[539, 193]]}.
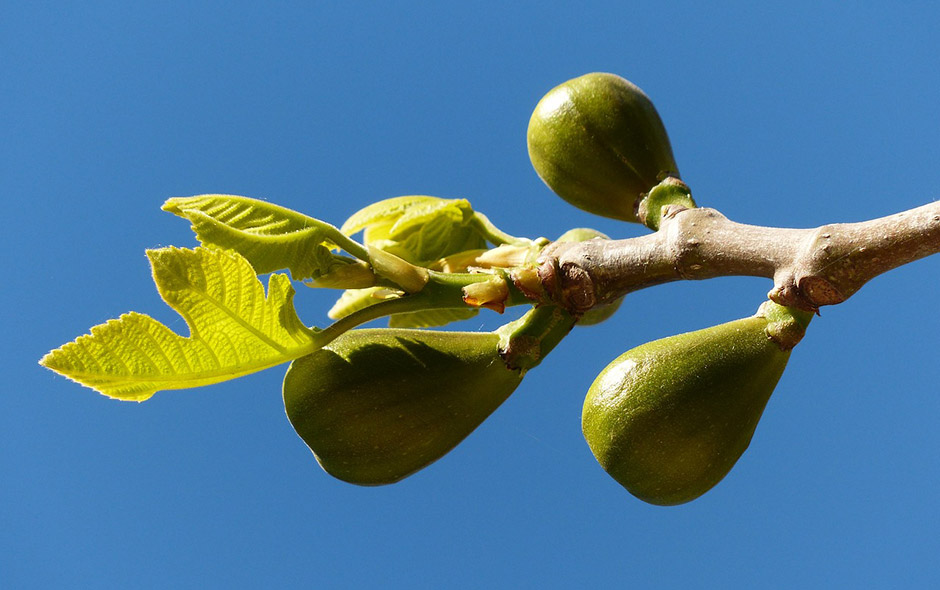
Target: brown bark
{"points": [[810, 267]]}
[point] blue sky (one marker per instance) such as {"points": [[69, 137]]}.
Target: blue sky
{"points": [[791, 115]]}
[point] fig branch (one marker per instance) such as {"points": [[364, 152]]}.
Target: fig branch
{"points": [[810, 267], [667, 420]]}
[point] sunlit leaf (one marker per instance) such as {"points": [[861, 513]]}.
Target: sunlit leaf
{"points": [[353, 300], [270, 237], [430, 318], [454, 211], [234, 330], [437, 239], [419, 229], [387, 210]]}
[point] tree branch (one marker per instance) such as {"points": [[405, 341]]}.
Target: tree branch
{"points": [[810, 267]]}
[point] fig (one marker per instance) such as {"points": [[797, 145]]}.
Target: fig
{"points": [[598, 143], [669, 419], [377, 405]]}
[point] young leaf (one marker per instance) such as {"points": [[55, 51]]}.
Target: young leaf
{"points": [[234, 330], [439, 237], [270, 237], [419, 229], [430, 318], [384, 211], [353, 300], [456, 211]]}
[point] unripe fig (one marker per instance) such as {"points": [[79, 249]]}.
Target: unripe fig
{"points": [[376, 405], [669, 419], [598, 142]]}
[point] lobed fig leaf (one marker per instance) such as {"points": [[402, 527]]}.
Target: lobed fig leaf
{"points": [[598, 143], [235, 329], [377, 405], [669, 419]]}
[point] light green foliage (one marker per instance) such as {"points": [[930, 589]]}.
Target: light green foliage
{"points": [[431, 318], [270, 237], [353, 300], [234, 330], [421, 230]]}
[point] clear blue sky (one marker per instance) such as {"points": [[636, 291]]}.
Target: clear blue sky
{"points": [[794, 115]]}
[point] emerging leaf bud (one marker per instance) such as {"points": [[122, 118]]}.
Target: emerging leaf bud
{"points": [[491, 293], [409, 277], [347, 276]]}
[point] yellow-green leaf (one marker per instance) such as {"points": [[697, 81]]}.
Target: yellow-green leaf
{"points": [[234, 330], [430, 318], [353, 300], [387, 210], [270, 237], [454, 211]]}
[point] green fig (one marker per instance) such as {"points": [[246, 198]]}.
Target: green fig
{"points": [[669, 419], [598, 143], [376, 405]]}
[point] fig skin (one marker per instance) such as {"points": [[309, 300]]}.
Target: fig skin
{"points": [[598, 143], [377, 405], [669, 419]]}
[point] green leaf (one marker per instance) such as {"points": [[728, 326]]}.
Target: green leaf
{"points": [[387, 210], [438, 238], [419, 229], [430, 318], [353, 300], [234, 330], [270, 237], [454, 211]]}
